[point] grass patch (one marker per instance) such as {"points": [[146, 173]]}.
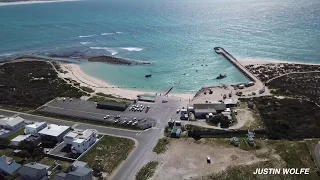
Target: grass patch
{"points": [[87, 89], [108, 153], [147, 171], [162, 145], [108, 99], [21, 132], [9, 153]]}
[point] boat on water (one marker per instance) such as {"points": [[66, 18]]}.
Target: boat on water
{"points": [[148, 75], [221, 76]]}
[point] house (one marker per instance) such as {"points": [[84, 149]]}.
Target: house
{"points": [[34, 171], [80, 171], [10, 125], [35, 127], [17, 140], [8, 166], [33, 140], [54, 133], [80, 140]]}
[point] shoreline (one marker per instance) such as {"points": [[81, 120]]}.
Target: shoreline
{"points": [[74, 72], [32, 2], [246, 62]]}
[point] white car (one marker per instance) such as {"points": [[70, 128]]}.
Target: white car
{"points": [[129, 122], [116, 121], [178, 110], [106, 117]]}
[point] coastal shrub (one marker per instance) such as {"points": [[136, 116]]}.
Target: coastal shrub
{"points": [[289, 118], [31, 84]]}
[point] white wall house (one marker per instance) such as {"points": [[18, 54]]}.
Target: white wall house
{"points": [[54, 133], [35, 127], [10, 125], [80, 140]]}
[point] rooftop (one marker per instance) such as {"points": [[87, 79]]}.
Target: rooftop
{"points": [[114, 104], [36, 124], [81, 134], [8, 165], [20, 138], [11, 121], [54, 130]]}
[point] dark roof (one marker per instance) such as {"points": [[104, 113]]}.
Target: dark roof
{"points": [[205, 111], [114, 104], [60, 176], [216, 106]]}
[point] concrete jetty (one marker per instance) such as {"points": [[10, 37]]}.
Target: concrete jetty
{"points": [[235, 62]]}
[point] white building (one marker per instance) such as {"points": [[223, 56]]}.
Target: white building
{"points": [[35, 127], [10, 125], [80, 140], [54, 133], [17, 140]]}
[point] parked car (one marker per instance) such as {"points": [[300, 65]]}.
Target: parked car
{"points": [[117, 117], [106, 117], [178, 110], [116, 121], [129, 122]]}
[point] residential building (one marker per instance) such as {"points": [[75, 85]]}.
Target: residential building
{"points": [[54, 133], [34, 171], [8, 166], [35, 127], [10, 125], [80, 171], [80, 140], [17, 140], [33, 140]]}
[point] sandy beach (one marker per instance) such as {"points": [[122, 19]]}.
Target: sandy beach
{"points": [[32, 2], [73, 71]]}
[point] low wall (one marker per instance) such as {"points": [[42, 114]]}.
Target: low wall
{"points": [[224, 133]]}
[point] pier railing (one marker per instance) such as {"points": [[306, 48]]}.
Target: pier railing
{"points": [[234, 61]]}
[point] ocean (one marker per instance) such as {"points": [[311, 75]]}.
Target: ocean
{"points": [[177, 36]]}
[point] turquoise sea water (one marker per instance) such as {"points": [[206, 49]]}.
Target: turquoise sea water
{"points": [[178, 36]]}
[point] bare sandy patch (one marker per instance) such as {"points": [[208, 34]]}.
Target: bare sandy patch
{"points": [[186, 159]]}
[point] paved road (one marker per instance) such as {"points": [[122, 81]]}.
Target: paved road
{"points": [[145, 140], [317, 153]]}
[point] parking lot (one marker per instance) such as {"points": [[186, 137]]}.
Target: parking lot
{"points": [[82, 109]]}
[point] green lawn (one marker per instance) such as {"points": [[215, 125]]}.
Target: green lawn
{"points": [[21, 132], [108, 153], [9, 153], [147, 171], [162, 145]]}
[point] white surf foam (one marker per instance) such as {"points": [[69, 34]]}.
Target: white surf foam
{"points": [[118, 32], [87, 36], [106, 34], [110, 50], [84, 43], [132, 48]]}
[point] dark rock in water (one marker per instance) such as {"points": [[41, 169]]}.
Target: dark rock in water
{"points": [[221, 76], [118, 61], [148, 75]]}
